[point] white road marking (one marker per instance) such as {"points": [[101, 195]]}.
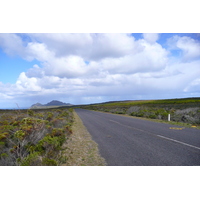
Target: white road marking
{"points": [[157, 135], [179, 142], [114, 121], [127, 126]]}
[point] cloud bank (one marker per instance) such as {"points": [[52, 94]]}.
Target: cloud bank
{"points": [[87, 68]]}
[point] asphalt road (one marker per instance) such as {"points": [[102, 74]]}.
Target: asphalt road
{"points": [[127, 141]]}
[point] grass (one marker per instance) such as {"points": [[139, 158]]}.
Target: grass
{"points": [[186, 110], [182, 101]]}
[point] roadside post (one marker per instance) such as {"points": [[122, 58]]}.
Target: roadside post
{"points": [[168, 117]]}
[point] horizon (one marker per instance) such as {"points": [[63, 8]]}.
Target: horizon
{"points": [[87, 68], [24, 108]]}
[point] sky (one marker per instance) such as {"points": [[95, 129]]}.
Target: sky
{"points": [[83, 68]]}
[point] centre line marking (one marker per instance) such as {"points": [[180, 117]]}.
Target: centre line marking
{"points": [[158, 135], [131, 127], [127, 126], [179, 142]]}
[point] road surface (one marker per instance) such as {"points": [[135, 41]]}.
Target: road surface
{"points": [[127, 141]]}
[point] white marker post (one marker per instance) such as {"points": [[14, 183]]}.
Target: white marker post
{"points": [[168, 117]]}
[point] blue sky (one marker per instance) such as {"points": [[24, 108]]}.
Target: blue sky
{"points": [[12, 66], [87, 68]]}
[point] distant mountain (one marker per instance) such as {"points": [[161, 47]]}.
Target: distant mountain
{"points": [[50, 104], [37, 105], [57, 103]]}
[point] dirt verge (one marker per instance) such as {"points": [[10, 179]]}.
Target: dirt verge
{"points": [[81, 149]]}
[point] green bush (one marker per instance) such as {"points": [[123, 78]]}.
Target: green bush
{"points": [[3, 135], [31, 159], [152, 116], [30, 112], [36, 139], [49, 116], [49, 162]]}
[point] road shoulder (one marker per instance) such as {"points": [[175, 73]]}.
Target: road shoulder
{"points": [[81, 149]]}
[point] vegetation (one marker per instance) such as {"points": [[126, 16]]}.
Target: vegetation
{"points": [[44, 137], [34, 137], [50, 136], [185, 110]]}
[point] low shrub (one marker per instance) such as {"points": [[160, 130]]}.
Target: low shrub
{"points": [[34, 137]]}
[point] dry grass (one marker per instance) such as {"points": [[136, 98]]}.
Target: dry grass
{"points": [[81, 149]]}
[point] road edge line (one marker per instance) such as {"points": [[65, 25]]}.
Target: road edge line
{"points": [[179, 142]]}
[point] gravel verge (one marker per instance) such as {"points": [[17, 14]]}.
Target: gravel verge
{"points": [[81, 150]]}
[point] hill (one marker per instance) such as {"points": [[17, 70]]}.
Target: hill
{"points": [[53, 103], [185, 110], [36, 105], [57, 103]]}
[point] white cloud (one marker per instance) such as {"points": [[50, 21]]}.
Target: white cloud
{"points": [[12, 44], [38, 51], [27, 84], [112, 46], [151, 37], [35, 71], [152, 58], [190, 48], [88, 46], [65, 44], [116, 53], [71, 66]]}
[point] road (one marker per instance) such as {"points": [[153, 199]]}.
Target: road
{"points": [[127, 141]]}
